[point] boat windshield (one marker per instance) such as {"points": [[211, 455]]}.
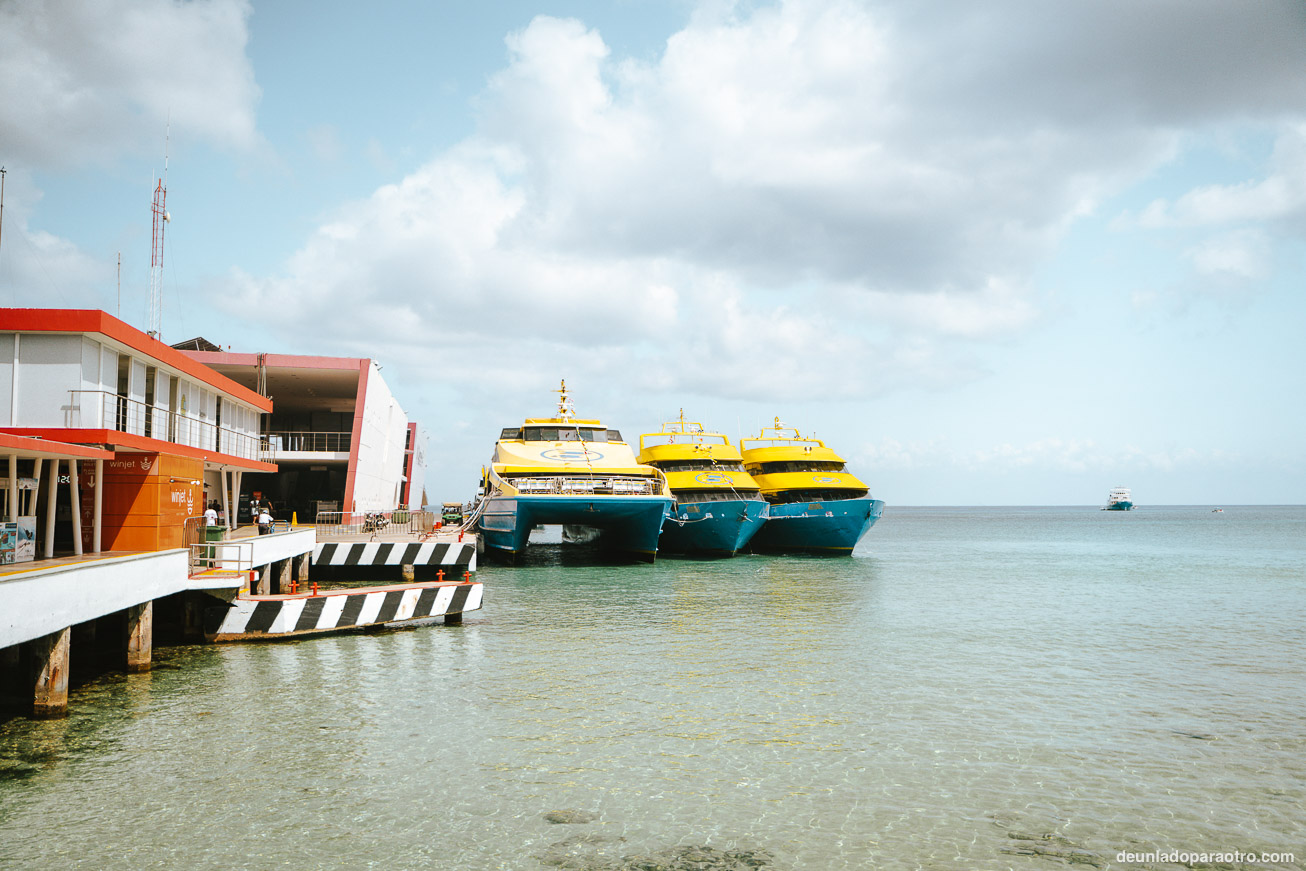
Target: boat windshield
{"points": [[699, 465], [790, 466], [564, 434]]}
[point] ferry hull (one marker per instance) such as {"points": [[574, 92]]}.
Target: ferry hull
{"points": [[627, 524], [1120, 506], [831, 527], [713, 528]]}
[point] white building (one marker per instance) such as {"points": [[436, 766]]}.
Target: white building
{"points": [[339, 437]]}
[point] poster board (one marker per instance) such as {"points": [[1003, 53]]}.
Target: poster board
{"points": [[8, 542]]}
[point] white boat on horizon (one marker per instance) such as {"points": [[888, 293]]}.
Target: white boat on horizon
{"points": [[1119, 499]]}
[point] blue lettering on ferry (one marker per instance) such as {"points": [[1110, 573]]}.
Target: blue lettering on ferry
{"points": [[711, 478], [571, 456]]}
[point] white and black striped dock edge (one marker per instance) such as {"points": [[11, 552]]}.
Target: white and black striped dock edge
{"points": [[271, 617], [388, 553]]}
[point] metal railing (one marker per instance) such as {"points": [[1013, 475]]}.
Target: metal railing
{"points": [[226, 556], [276, 442], [338, 524], [616, 486], [120, 413], [194, 535]]}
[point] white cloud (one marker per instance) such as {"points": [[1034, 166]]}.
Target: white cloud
{"points": [[784, 186], [1280, 196], [85, 80], [1242, 254]]}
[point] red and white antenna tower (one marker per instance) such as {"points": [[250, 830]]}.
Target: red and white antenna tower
{"points": [[161, 219]]}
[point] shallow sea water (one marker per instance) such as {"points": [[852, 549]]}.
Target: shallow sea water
{"points": [[979, 688]]}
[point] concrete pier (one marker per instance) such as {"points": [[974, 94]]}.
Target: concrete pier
{"points": [[48, 674], [140, 637]]}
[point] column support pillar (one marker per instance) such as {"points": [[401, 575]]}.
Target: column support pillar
{"points": [[140, 637], [51, 499], [50, 667], [235, 498], [226, 508], [13, 487], [96, 534], [75, 494]]}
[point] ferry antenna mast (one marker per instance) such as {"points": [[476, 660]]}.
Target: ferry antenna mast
{"points": [[161, 219]]}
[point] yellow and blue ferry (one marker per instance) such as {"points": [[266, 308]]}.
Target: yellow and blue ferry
{"points": [[573, 472], [719, 507], [817, 505]]}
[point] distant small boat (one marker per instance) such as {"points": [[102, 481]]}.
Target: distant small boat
{"points": [[1119, 499], [1217, 510]]}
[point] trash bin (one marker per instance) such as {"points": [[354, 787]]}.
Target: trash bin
{"points": [[213, 533]]}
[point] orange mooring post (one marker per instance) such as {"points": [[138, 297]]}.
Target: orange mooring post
{"points": [[439, 576], [460, 535], [467, 577], [294, 587], [315, 588]]}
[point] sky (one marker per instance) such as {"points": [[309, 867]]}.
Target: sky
{"points": [[1000, 253]]}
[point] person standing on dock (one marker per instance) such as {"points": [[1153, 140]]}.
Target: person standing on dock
{"points": [[211, 514], [264, 522]]}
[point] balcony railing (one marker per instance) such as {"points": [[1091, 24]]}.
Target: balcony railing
{"points": [[282, 442], [100, 409]]}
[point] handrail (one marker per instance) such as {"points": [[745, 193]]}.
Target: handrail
{"points": [[214, 555], [305, 441], [194, 534], [124, 414], [401, 521]]}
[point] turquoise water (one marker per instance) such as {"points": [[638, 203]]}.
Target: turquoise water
{"points": [[976, 688]]}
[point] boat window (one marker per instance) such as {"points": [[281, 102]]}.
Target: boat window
{"points": [[615, 436], [564, 434], [786, 496], [510, 432], [688, 496], [541, 434], [700, 465], [789, 466]]}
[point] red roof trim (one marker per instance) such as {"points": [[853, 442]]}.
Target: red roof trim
{"points": [[138, 442], [92, 321], [282, 361], [20, 445]]}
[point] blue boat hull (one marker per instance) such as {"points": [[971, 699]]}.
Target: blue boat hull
{"points": [[627, 524], [831, 527], [1121, 506], [713, 528]]}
